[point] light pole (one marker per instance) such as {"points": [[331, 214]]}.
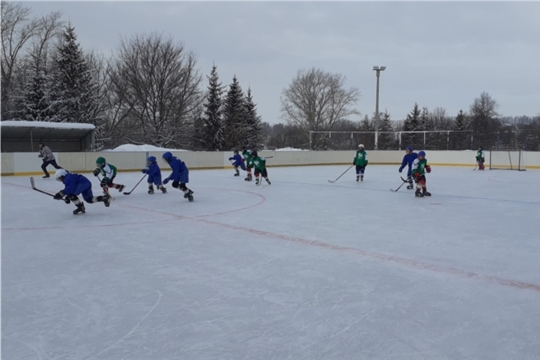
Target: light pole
{"points": [[378, 69]]}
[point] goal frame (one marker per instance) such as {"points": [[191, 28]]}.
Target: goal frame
{"points": [[519, 166]]}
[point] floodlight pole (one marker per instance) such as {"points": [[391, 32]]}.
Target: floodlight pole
{"points": [[378, 70]]}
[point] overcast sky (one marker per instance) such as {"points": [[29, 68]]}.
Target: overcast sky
{"points": [[437, 54]]}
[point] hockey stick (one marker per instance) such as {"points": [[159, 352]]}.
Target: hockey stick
{"points": [[129, 192], [404, 181], [330, 181], [41, 191]]}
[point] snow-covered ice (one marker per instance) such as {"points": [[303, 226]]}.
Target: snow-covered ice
{"points": [[300, 269]]}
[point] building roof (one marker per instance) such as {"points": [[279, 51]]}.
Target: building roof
{"points": [[43, 131]]}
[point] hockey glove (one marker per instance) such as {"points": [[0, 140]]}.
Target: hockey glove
{"points": [[165, 181], [354, 162], [144, 171], [96, 172], [428, 169], [400, 169], [104, 182], [59, 195], [66, 200]]}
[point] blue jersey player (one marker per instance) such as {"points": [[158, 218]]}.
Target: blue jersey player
{"points": [[75, 185], [408, 160], [238, 162], [154, 175], [179, 176]]}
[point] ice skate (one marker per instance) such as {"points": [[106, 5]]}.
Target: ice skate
{"points": [[120, 187], [357, 178], [268, 181], [362, 178], [79, 210], [257, 181], [426, 193], [150, 189], [418, 194], [248, 178], [162, 188], [237, 173]]}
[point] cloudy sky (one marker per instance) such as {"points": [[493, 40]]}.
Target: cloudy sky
{"points": [[437, 54]]}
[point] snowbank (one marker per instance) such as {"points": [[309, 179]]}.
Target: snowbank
{"points": [[46, 124], [145, 147], [290, 149]]}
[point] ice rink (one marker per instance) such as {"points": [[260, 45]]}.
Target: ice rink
{"points": [[300, 269]]}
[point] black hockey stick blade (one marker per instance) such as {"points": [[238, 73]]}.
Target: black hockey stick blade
{"points": [[34, 187], [129, 192], [403, 183]]}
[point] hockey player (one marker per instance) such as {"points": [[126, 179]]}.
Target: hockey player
{"points": [[480, 158], [154, 175], [238, 163], [48, 158], [361, 161], [249, 162], [259, 163], [419, 169], [179, 175], [408, 160], [75, 184], [109, 173]]}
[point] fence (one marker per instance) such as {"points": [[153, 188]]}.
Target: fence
{"points": [[528, 140]]}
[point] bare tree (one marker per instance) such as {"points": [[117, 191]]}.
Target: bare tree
{"points": [[484, 122], [155, 90], [316, 100]]}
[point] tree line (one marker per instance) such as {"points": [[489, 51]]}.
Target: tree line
{"points": [[150, 91]]}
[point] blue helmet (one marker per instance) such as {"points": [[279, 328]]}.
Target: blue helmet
{"points": [[422, 153], [167, 156], [152, 159], [410, 148]]}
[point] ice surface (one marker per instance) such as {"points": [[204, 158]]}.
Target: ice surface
{"points": [[300, 269]]}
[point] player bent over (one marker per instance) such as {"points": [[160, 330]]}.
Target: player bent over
{"points": [[74, 185], [109, 173], [361, 161], [238, 163], [248, 159], [480, 158], [179, 176], [259, 163], [408, 160], [419, 169], [154, 175]]}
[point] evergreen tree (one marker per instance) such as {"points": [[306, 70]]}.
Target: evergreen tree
{"points": [[36, 97], [386, 140], [412, 123], [73, 91], [210, 129], [234, 117], [255, 138], [461, 139], [423, 122]]}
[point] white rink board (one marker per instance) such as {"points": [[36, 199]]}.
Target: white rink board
{"points": [[300, 269]]}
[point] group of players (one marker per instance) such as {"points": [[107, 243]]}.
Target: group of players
{"points": [[77, 184]]}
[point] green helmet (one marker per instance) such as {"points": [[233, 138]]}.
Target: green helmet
{"points": [[100, 161]]}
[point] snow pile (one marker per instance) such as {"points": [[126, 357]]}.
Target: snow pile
{"points": [[145, 147], [290, 149], [46, 124]]}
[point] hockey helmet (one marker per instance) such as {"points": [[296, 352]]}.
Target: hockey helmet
{"points": [[422, 153], [254, 154], [409, 148], [480, 148], [361, 146], [100, 161], [60, 175], [152, 159], [167, 156]]}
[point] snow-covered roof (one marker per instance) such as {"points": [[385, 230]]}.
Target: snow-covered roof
{"points": [[290, 149], [46, 124], [145, 147]]}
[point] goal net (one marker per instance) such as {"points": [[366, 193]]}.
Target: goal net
{"points": [[506, 160]]}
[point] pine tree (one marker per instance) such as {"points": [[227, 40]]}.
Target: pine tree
{"points": [[36, 106], [210, 129], [73, 91], [386, 140], [423, 122], [234, 117], [461, 139], [253, 122], [412, 123]]}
